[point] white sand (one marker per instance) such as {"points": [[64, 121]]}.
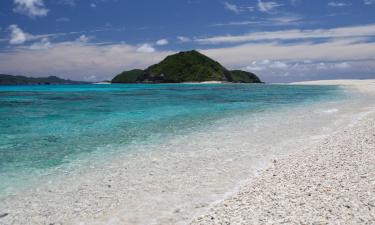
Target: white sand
{"points": [[207, 82], [188, 173], [332, 182], [365, 86]]}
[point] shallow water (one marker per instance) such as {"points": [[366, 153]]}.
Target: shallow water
{"points": [[43, 127], [185, 149]]}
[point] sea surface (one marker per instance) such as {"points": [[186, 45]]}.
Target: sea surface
{"points": [[48, 127]]}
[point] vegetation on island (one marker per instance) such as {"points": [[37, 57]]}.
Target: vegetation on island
{"points": [[240, 76], [22, 80], [189, 66]]}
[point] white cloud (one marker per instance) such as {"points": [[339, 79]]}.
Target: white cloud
{"points": [[369, 2], [238, 9], [270, 60], [43, 44], [321, 66], [338, 4], [334, 50], [183, 39], [17, 36], [266, 64], [359, 32], [284, 71], [162, 42], [283, 20], [83, 38], [267, 7], [279, 65], [337, 55], [73, 59], [146, 48], [31, 8], [232, 7], [343, 65], [288, 19], [93, 5]]}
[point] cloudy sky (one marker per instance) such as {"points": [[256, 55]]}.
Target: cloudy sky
{"points": [[280, 40]]}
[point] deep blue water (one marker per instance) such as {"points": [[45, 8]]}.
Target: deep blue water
{"points": [[46, 126]]}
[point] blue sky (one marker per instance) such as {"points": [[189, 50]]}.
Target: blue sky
{"points": [[280, 40]]}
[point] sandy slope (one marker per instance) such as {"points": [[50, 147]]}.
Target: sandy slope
{"points": [[334, 183], [330, 183]]}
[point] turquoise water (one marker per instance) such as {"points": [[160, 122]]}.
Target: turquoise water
{"points": [[44, 127]]}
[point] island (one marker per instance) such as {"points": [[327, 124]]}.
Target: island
{"points": [[6, 79], [187, 66]]}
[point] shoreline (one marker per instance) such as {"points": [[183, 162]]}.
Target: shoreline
{"points": [[364, 86], [168, 184], [330, 182]]}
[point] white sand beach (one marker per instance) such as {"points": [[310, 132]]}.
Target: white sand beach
{"points": [[304, 165], [332, 182], [364, 86]]}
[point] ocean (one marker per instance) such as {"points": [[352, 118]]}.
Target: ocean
{"points": [[46, 128]]}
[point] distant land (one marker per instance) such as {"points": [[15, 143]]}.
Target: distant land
{"points": [[23, 80], [188, 66], [183, 67]]}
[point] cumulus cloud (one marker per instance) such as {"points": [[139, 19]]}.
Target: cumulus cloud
{"points": [[146, 48], [83, 38], [162, 42], [31, 8], [268, 7], [43, 44], [17, 36], [266, 64]]}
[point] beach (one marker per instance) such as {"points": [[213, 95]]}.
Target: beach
{"points": [[364, 86], [307, 164], [332, 182]]}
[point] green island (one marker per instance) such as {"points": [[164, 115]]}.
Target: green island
{"points": [[188, 66], [182, 67], [6, 79]]}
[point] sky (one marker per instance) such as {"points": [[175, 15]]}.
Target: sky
{"points": [[279, 40]]}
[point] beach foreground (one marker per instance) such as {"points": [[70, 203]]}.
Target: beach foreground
{"points": [[308, 163], [332, 182]]}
